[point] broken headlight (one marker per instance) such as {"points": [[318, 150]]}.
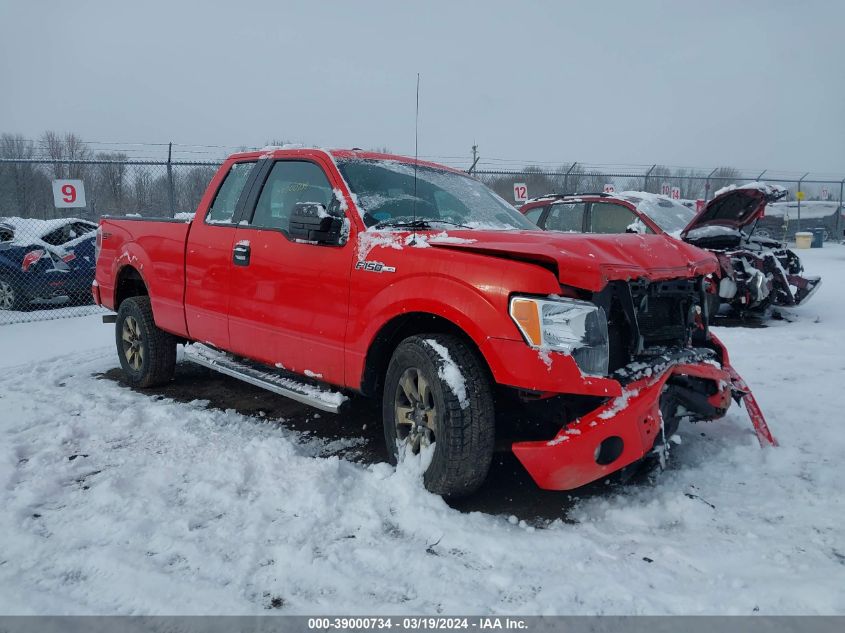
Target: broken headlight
{"points": [[570, 326]]}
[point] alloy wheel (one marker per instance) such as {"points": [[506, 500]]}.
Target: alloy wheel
{"points": [[7, 295], [415, 413], [133, 349]]}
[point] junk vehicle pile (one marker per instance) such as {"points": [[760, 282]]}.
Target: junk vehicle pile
{"points": [[45, 261], [755, 272], [315, 273]]}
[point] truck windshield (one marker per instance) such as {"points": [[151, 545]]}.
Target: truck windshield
{"points": [[387, 196]]}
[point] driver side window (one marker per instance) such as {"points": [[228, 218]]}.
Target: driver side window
{"points": [[290, 182]]}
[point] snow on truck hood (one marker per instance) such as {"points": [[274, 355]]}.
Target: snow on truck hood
{"points": [[735, 207], [590, 261]]}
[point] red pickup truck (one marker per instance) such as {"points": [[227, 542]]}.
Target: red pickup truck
{"points": [[316, 273]]}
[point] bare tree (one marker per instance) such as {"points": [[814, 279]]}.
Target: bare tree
{"points": [[24, 188], [722, 177], [110, 184]]}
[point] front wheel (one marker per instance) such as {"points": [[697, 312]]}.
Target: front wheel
{"points": [[438, 393], [147, 354]]}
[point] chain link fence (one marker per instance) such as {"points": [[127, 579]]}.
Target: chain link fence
{"points": [[811, 202], [47, 253]]}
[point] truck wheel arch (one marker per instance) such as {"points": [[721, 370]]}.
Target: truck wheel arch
{"points": [[395, 331], [130, 283]]}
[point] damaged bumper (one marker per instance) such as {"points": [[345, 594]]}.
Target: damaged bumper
{"points": [[625, 429]]}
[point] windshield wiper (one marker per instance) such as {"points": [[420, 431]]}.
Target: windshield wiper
{"points": [[416, 224]]}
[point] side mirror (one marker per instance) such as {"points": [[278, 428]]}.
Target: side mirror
{"points": [[310, 222]]}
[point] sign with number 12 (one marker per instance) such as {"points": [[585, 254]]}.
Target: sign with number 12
{"points": [[520, 192]]}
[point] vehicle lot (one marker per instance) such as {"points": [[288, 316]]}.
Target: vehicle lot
{"points": [[209, 496]]}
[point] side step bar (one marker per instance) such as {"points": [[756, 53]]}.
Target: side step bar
{"points": [[283, 384]]}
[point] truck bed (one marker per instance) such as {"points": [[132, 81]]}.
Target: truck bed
{"points": [[155, 247]]}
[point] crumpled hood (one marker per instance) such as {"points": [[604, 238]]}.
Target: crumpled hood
{"points": [[590, 261], [736, 207]]}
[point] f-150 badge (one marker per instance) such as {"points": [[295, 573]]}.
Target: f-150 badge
{"points": [[374, 267]]}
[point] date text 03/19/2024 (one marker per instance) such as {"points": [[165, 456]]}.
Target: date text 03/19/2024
{"points": [[416, 623]]}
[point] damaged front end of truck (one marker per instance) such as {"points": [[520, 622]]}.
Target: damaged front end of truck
{"points": [[664, 366]]}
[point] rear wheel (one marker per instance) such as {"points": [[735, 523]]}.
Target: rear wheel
{"points": [[147, 354], [10, 298], [438, 395]]}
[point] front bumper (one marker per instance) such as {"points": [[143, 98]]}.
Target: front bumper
{"points": [[623, 429]]}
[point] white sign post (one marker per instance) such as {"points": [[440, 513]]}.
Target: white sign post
{"points": [[68, 193], [609, 188], [665, 189], [825, 193], [676, 193], [520, 192]]}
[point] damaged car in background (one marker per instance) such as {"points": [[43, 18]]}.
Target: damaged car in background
{"points": [[756, 273]]}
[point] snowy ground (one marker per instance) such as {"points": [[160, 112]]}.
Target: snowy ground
{"points": [[119, 502], [47, 313]]}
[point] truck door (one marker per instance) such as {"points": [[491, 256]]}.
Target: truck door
{"points": [[289, 300], [208, 257]]}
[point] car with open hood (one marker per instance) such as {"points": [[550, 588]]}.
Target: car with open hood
{"points": [[318, 273], [755, 272]]}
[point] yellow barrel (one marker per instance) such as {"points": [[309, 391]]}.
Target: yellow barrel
{"points": [[803, 239]]}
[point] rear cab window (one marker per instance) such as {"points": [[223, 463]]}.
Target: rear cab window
{"points": [[222, 210]]}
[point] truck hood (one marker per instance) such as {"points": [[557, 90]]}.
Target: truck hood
{"points": [[736, 207], [590, 261]]}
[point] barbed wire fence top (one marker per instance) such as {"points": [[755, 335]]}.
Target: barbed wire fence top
{"points": [[49, 208]]}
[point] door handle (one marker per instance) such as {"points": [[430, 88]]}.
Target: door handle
{"points": [[240, 254]]}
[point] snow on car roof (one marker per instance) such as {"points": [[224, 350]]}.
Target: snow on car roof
{"points": [[810, 209], [34, 227], [759, 186], [31, 230]]}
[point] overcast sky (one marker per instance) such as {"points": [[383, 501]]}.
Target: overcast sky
{"points": [[750, 84]]}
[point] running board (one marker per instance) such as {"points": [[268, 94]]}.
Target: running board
{"points": [[283, 385]]}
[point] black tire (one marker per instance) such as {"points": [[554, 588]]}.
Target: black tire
{"points": [[148, 354], [464, 432], [11, 297]]}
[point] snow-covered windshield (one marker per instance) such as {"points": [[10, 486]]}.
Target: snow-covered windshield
{"points": [[669, 215], [388, 195]]}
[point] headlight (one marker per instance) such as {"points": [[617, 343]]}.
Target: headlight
{"points": [[574, 327]]}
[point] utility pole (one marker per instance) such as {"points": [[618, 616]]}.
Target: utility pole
{"points": [[799, 194], [171, 194]]}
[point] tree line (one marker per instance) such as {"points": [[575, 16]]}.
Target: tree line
{"points": [[111, 187], [116, 186]]}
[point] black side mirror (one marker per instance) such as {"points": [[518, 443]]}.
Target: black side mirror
{"points": [[311, 222]]}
